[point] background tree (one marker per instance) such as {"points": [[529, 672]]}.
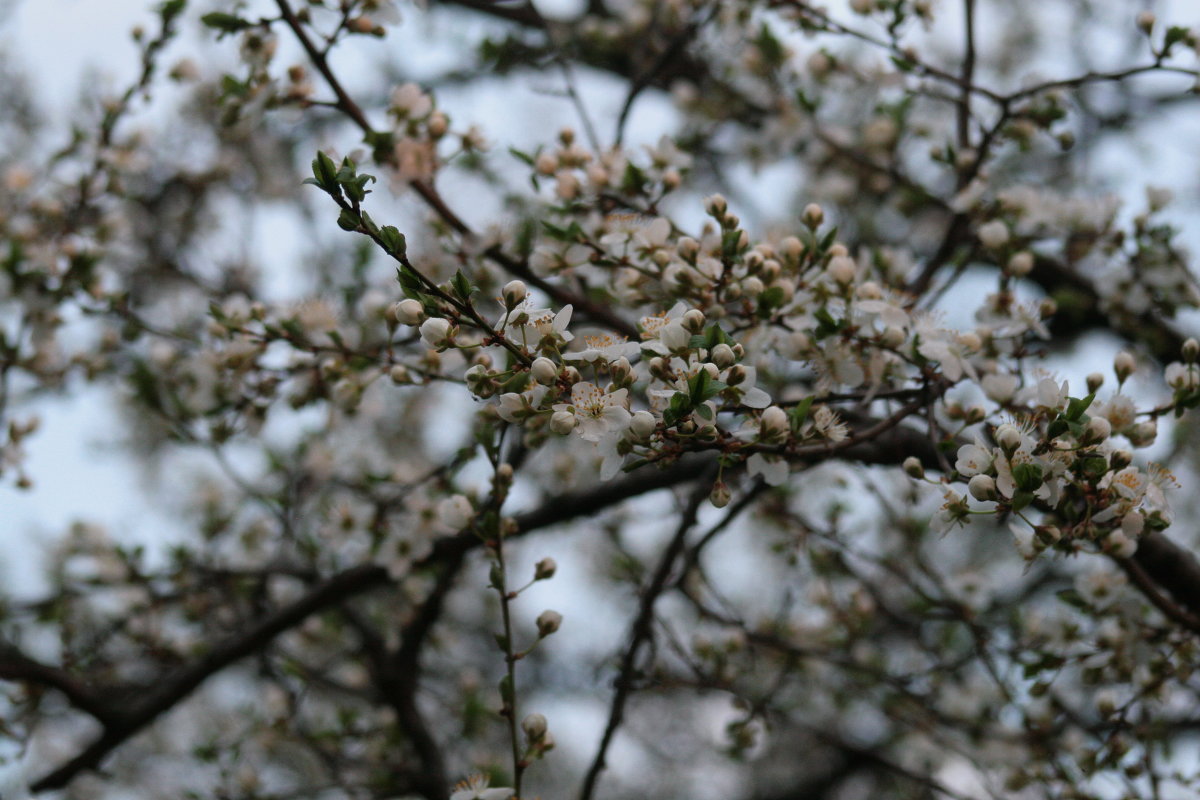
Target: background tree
{"points": [[797, 419]]}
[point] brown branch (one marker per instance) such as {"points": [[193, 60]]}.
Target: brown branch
{"points": [[16, 666], [639, 633]]}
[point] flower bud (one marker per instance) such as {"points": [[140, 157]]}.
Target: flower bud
{"points": [[621, 371], [548, 622], [1190, 350], [774, 423], [1124, 365], [813, 216], [1119, 459], [1094, 381], [982, 487], [716, 205], [1142, 434], [534, 726], [546, 164], [543, 370], [722, 355], [436, 332], [399, 374], [736, 374], [1021, 264], [642, 424], [438, 124], [994, 234], [1047, 535], [408, 312], [1009, 438], [545, 569], [455, 512], [914, 468], [514, 293], [1097, 430], [720, 494], [842, 270], [1145, 22], [693, 320], [892, 337], [562, 422]]}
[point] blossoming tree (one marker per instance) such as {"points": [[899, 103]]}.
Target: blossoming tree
{"points": [[835, 507]]}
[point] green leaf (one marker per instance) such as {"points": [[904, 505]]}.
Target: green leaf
{"points": [[799, 413], [1175, 34], [679, 407], [1076, 407], [1071, 598], [171, 9], [462, 285], [528, 159], [393, 241], [348, 220], [771, 298], [1021, 500], [225, 23], [516, 383], [325, 174], [410, 282], [1028, 477]]}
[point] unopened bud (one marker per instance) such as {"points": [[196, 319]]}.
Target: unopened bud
{"points": [[534, 726], [693, 320], [716, 206], [1009, 438], [1190, 350], [514, 293], [774, 423], [642, 424], [1143, 434], [562, 422], [1145, 22], [1097, 430], [543, 370], [548, 622], [813, 216], [982, 487], [720, 494], [408, 312], [914, 468], [1094, 381], [722, 355], [1124, 365], [1021, 264], [545, 569]]}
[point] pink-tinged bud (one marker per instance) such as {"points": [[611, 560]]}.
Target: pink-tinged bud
{"points": [[548, 622], [545, 569], [994, 234], [1124, 365]]}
